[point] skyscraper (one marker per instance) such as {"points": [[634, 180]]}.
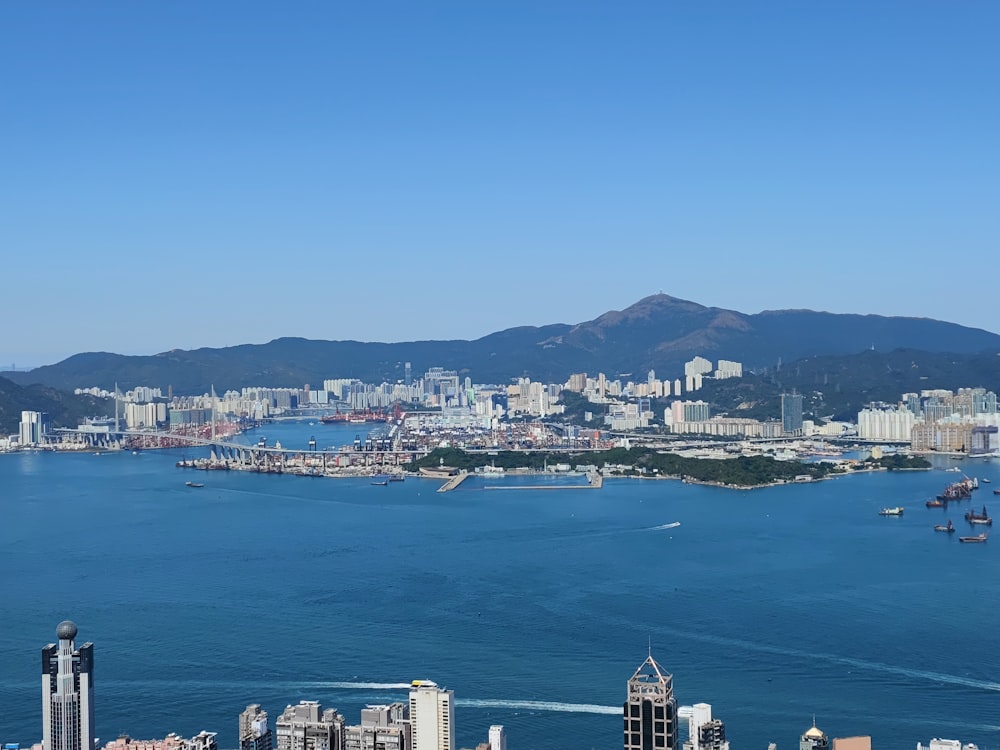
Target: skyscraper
{"points": [[255, 734], [432, 716], [67, 692], [791, 413], [650, 710]]}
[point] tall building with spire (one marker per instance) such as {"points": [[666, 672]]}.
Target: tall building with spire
{"points": [[650, 710], [814, 739], [67, 692]]}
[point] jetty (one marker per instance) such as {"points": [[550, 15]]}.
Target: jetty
{"points": [[454, 482]]}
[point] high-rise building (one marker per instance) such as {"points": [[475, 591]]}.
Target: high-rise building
{"points": [[255, 734], [704, 732], [814, 739], [382, 728], [432, 716], [308, 727], [791, 413], [498, 737], [34, 425], [650, 710], [68, 692]]}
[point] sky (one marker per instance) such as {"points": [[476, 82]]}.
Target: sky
{"points": [[182, 174]]}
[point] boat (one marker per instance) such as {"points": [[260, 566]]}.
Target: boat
{"points": [[397, 478], [996, 492], [194, 484], [986, 481], [958, 491], [380, 481], [953, 468], [936, 503], [948, 529], [973, 539], [897, 511], [981, 519]]}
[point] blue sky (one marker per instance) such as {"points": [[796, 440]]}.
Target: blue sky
{"points": [[178, 175]]}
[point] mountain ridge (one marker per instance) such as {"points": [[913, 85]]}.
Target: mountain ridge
{"points": [[657, 332]]}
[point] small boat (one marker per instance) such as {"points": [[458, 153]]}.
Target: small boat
{"points": [[936, 503], [381, 483], [397, 478], [973, 539], [897, 511], [986, 481], [949, 529], [193, 484], [996, 492]]}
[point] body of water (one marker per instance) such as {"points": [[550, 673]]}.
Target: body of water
{"points": [[535, 607]]}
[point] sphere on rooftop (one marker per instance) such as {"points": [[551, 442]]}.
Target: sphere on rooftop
{"points": [[66, 630]]}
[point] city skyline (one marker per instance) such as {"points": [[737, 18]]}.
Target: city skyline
{"points": [[377, 173]]}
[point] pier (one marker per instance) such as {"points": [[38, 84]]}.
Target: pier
{"points": [[454, 482]]}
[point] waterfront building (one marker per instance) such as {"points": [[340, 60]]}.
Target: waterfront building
{"points": [[34, 425], [308, 727], [704, 732], [791, 413], [498, 737], [67, 692], [949, 437], [255, 734], [939, 744], [201, 741], [892, 424], [852, 743], [814, 739], [432, 716], [650, 710], [382, 728]]}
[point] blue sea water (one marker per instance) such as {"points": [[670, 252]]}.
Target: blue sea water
{"points": [[534, 606]]}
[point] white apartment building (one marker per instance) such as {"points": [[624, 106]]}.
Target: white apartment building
{"points": [[432, 716], [886, 424]]}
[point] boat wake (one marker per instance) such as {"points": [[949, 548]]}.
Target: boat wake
{"points": [[578, 708], [361, 685], [673, 525], [872, 666], [575, 708]]}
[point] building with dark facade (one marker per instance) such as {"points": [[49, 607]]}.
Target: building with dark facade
{"points": [[650, 711]]}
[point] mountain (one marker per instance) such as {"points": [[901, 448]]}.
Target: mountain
{"points": [[64, 409], [659, 332]]}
